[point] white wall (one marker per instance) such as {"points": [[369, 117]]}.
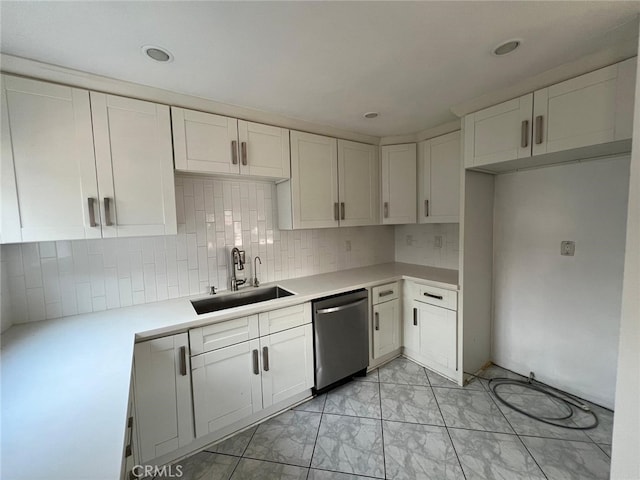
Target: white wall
{"points": [[555, 315], [625, 461], [53, 279], [420, 247]]}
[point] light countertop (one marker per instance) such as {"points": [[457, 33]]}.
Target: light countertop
{"points": [[65, 382]]}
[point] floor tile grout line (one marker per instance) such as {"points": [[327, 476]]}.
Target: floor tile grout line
{"points": [[464, 475], [517, 435], [384, 460], [315, 443]]}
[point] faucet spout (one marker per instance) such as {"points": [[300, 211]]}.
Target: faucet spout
{"points": [[256, 283], [237, 258]]}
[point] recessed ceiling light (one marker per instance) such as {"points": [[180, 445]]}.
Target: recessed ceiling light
{"points": [[506, 47], [370, 115], [157, 54]]}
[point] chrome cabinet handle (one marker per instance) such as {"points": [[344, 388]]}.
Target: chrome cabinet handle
{"points": [[265, 359], [524, 134], [539, 129], [426, 208], [183, 361], [386, 209], [342, 211], [128, 451], [336, 208], [243, 149], [256, 367], [438, 297], [385, 293], [92, 212], [107, 212], [415, 317], [234, 152], [377, 315]]}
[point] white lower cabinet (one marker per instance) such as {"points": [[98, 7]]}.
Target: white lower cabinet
{"points": [[237, 381], [430, 328], [162, 389], [386, 328]]}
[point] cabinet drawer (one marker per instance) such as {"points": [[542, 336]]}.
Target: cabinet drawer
{"points": [[436, 296], [384, 293], [284, 318], [223, 334]]}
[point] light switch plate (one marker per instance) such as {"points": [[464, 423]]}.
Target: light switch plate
{"points": [[568, 248], [437, 241]]}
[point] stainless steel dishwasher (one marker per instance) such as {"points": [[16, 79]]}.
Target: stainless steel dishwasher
{"points": [[341, 337]]}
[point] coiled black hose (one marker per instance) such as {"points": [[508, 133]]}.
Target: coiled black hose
{"points": [[569, 402]]}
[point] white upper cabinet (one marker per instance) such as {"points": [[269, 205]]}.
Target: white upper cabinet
{"points": [[439, 163], [79, 164], [333, 183], [586, 110], [398, 184], [134, 166], [204, 142], [498, 133], [208, 143], [264, 150], [358, 183], [48, 189], [591, 110]]}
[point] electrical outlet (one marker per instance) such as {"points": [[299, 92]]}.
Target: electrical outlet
{"points": [[347, 245], [437, 241], [568, 248], [409, 240]]}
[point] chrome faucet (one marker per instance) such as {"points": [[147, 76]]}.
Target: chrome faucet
{"points": [[256, 283], [237, 258]]}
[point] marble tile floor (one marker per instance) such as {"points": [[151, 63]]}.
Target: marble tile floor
{"points": [[403, 421]]}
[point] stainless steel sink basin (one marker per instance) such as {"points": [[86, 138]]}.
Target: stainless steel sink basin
{"points": [[247, 297]]}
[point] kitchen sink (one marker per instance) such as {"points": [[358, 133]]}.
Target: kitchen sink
{"points": [[222, 302]]}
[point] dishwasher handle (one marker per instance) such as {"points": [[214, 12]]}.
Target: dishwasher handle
{"points": [[341, 307]]}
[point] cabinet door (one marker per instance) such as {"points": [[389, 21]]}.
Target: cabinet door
{"points": [[578, 112], [386, 328], [438, 337], [499, 133], [439, 165], [399, 184], [410, 326], [264, 150], [314, 180], [226, 386], [163, 395], [204, 142], [48, 167], [358, 175], [135, 168], [287, 364]]}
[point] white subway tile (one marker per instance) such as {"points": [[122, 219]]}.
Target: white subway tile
{"points": [[53, 310], [112, 287], [83, 295], [36, 310], [99, 304], [126, 293], [48, 250]]}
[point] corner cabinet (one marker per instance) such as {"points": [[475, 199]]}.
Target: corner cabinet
{"points": [[208, 143], [398, 172], [333, 183], [162, 386], [590, 115], [439, 171], [53, 185]]}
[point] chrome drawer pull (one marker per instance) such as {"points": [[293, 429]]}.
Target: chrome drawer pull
{"points": [[265, 359], [92, 213], [183, 361], [431, 295], [538, 129], [256, 367], [385, 293], [243, 148], [107, 212], [377, 315], [415, 317], [234, 152], [524, 134]]}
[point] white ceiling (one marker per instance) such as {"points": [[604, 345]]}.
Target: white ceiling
{"points": [[323, 62]]}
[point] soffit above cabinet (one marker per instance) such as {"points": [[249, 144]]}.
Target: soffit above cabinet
{"points": [[324, 62]]}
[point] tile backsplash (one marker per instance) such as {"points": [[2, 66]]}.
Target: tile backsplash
{"points": [[418, 244], [53, 279]]}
